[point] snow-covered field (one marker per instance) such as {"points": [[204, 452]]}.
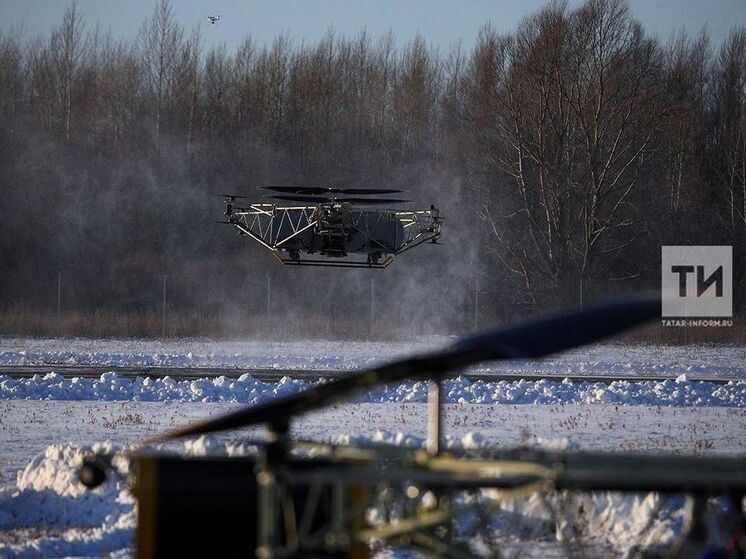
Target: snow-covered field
{"points": [[47, 423], [728, 361]]}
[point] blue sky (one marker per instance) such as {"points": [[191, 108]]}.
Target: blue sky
{"points": [[441, 22]]}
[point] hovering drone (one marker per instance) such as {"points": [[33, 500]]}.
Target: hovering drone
{"points": [[213, 19], [338, 224]]}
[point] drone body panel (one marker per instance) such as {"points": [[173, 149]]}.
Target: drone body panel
{"points": [[354, 231]]}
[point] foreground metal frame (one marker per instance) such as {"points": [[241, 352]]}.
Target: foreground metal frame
{"points": [[337, 500]]}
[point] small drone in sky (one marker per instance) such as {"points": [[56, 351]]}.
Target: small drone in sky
{"points": [[213, 19]]}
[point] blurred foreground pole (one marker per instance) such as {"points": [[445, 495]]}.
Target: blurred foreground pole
{"points": [[434, 418], [163, 320]]}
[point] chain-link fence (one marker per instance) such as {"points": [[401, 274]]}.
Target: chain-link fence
{"points": [[283, 302]]}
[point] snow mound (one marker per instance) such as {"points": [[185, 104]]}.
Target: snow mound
{"points": [[248, 390], [607, 524], [71, 519]]}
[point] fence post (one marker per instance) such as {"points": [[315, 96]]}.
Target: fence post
{"points": [[59, 304], [371, 306], [476, 300], [269, 293], [163, 321]]}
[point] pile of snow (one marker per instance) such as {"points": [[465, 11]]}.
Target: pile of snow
{"points": [[607, 524], [248, 390], [72, 520], [468, 441]]}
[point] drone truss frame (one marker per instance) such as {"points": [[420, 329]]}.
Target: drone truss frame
{"points": [[273, 226]]}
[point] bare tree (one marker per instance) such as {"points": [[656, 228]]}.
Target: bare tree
{"points": [[686, 77], [13, 80], [120, 87], [43, 85], [730, 128], [415, 94], [68, 47], [190, 80], [160, 41], [243, 86], [572, 107]]}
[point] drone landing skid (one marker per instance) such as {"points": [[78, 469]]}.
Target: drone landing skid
{"points": [[287, 261]]}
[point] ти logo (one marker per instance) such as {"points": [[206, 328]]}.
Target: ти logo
{"points": [[697, 281]]}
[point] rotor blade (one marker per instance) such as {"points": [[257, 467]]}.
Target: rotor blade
{"points": [[359, 191], [363, 201], [296, 189], [231, 196], [533, 338], [326, 200], [320, 190], [299, 198]]}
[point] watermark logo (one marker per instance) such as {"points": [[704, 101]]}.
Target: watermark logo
{"points": [[697, 282]]}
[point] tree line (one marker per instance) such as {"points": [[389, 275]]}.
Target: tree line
{"points": [[568, 150]]}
